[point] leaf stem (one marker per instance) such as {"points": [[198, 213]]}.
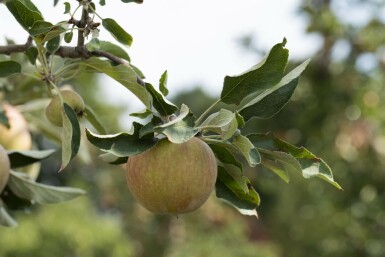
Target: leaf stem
{"points": [[199, 120]]}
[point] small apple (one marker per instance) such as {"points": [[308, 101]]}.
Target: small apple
{"points": [[4, 168], [70, 97], [17, 137], [173, 178]]}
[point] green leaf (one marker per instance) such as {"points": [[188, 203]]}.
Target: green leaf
{"points": [[223, 123], [262, 76], [32, 54], [124, 75], [161, 104], [113, 159], [102, 2], [40, 27], [70, 135], [229, 191], [117, 31], [311, 165], [148, 128], [55, 2], [68, 37], [266, 104], [280, 163], [67, 7], [93, 119], [8, 68], [180, 129], [122, 144], [53, 34], [28, 189], [144, 114], [53, 44], [114, 50], [163, 83], [25, 12], [225, 156], [93, 45], [6, 219], [247, 149], [240, 120], [132, 1], [26, 157]]}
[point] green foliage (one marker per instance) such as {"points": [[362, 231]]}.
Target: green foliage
{"points": [[260, 92], [8, 68], [83, 233]]}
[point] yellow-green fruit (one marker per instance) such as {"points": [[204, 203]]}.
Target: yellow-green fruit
{"points": [[17, 137], [173, 178], [4, 168], [53, 110]]}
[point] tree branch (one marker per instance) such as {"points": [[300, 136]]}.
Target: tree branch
{"points": [[16, 48]]}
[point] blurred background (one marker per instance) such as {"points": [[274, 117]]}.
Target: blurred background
{"points": [[336, 112]]}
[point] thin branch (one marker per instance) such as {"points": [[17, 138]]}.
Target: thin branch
{"points": [[16, 48]]}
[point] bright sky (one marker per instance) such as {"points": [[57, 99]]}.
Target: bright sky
{"points": [[195, 40]]}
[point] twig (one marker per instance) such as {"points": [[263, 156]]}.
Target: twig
{"points": [[16, 48]]}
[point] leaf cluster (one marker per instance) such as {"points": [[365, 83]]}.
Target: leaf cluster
{"points": [[258, 93]]}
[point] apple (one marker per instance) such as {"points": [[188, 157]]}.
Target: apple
{"points": [[4, 168], [70, 97], [17, 137], [173, 178]]}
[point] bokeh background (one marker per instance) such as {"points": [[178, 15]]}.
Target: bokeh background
{"points": [[336, 112]]}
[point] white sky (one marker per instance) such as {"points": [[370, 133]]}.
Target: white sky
{"points": [[195, 40]]}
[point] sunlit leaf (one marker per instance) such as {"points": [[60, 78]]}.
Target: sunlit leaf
{"points": [[114, 50], [40, 193], [161, 104], [70, 135], [229, 191], [40, 27], [113, 159], [20, 158], [261, 77], [311, 165], [144, 114], [180, 129], [25, 12], [124, 75], [223, 123], [117, 31], [163, 83], [122, 144], [247, 149], [266, 104]]}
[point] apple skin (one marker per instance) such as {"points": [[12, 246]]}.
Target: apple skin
{"points": [[53, 109], [173, 178], [17, 137], [4, 168]]}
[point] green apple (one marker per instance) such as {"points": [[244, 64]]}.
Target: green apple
{"points": [[173, 178], [70, 97], [4, 168], [17, 137]]}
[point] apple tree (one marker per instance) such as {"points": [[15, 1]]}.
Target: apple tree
{"points": [[174, 160]]}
